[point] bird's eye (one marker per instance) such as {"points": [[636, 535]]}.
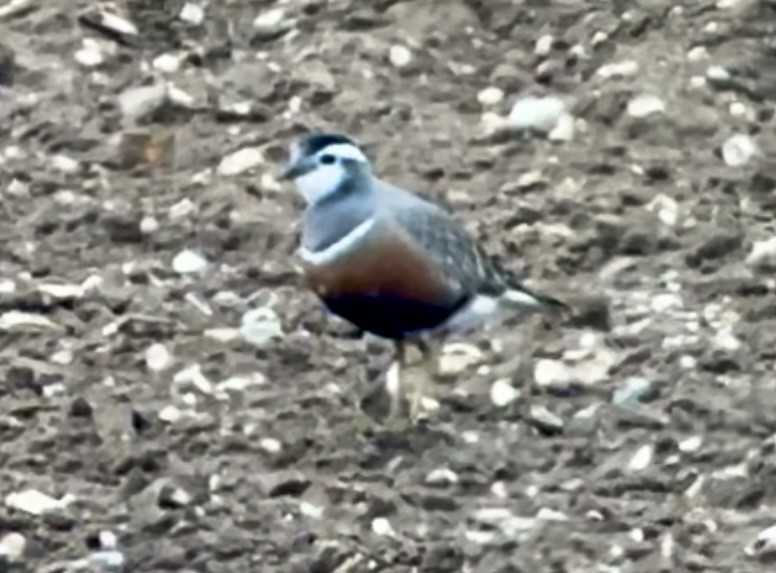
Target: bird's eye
{"points": [[328, 159]]}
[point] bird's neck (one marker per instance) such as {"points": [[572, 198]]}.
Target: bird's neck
{"points": [[337, 213]]}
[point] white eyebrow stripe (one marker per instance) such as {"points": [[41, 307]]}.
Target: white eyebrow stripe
{"points": [[341, 247], [346, 151]]}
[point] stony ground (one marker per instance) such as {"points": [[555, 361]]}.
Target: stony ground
{"points": [[171, 400]]}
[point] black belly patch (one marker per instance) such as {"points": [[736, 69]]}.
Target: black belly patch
{"points": [[390, 316]]}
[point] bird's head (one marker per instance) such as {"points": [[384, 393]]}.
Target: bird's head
{"points": [[321, 163]]}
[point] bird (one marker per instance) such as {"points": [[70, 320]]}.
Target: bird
{"points": [[393, 263]]}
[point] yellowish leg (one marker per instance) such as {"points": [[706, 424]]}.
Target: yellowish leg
{"points": [[423, 379]]}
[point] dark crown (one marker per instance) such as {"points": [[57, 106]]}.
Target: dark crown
{"points": [[312, 144]]}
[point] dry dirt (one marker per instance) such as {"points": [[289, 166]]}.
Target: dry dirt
{"points": [[276, 476]]}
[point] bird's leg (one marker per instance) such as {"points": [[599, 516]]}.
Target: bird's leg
{"points": [[396, 394], [423, 380]]}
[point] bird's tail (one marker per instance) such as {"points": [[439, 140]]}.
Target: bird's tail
{"points": [[526, 299]]}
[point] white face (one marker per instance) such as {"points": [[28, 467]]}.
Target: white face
{"points": [[329, 171]]}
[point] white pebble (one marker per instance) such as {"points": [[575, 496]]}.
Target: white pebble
{"points": [[458, 357], [260, 326], [502, 393], [90, 55], [763, 254], [381, 526], [140, 101], [149, 225], [167, 63], [599, 38], [697, 54], [548, 372], [188, 262], [16, 320], [269, 21], [564, 129], [738, 150], [691, 444], [738, 109], [442, 477], [270, 445], [64, 164], [170, 414], [181, 209], [618, 70], [544, 45], [644, 105], [192, 14], [309, 510], [35, 502], [641, 459], [764, 544], [540, 113], [241, 161], [12, 546], [490, 96], [666, 207], [157, 357], [193, 376], [399, 56], [717, 74]]}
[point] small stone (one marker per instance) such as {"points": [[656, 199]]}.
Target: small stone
{"points": [[764, 545], [552, 373], [458, 357], [170, 414], [642, 459], [618, 70], [115, 24], [166, 63], [666, 207], [545, 420], [632, 391], [697, 54], [260, 326], [738, 150], [692, 444], [34, 502], [381, 526], [109, 561], [188, 262], [644, 105], [309, 510], [502, 393], [241, 161], [61, 291], [270, 25], [240, 384], [490, 96], [17, 321], [222, 335], [537, 113], [193, 376], [157, 357], [138, 103], [399, 56], [107, 539], [12, 546], [181, 209], [90, 54], [192, 14], [564, 129], [149, 225], [763, 254], [270, 445], [544, 45], [442, 477]]}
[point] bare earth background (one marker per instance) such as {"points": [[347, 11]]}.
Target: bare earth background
{"points": [[160, 437]]}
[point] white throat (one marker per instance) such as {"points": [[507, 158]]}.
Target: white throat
{"points": [[320, 183]]}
